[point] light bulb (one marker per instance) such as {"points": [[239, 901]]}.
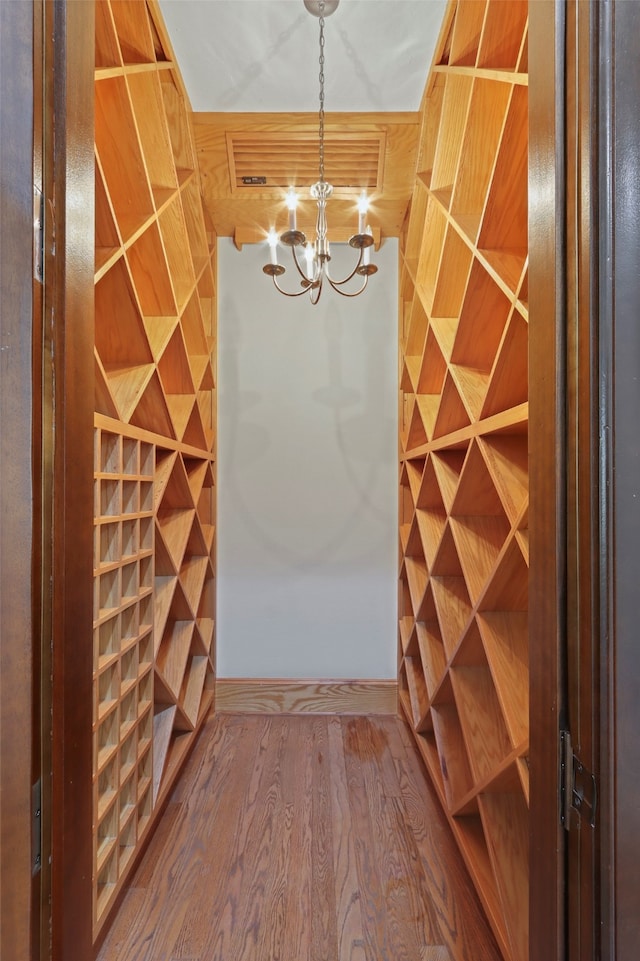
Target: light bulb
{"points": [[367, 250], [272, 239], [310, 256], [292, 202], [363, 206]]}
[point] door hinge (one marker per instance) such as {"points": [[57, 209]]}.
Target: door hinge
{"points": [[38, 235], [578, 787], [36, 827]]}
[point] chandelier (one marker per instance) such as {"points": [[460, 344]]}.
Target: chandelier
{"points": [[312, 260]]}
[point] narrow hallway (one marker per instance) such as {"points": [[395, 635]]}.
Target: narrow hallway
{"points": [[297, 837]]}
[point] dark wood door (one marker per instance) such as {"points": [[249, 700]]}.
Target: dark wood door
{"points": [[585, 477], [18, 894], [602, 253], [619, 382], [547, 473], [46, 356], [67, 426]]}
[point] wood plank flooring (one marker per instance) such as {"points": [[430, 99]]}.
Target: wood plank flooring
{"points": [[301, 838]]}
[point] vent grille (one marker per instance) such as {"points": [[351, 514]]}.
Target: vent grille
{"points": [[354, 161]]}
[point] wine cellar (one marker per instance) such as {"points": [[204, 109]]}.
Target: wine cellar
{"points": [[149, 393], [463, 431]]}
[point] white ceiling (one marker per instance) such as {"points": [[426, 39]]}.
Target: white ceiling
{"points": [[262, 55]]}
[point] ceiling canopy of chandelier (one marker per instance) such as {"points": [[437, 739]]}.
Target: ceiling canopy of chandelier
{"points": [[312, 264]]}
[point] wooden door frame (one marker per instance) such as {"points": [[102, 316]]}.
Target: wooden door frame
{"points": [[46, 467], [565, 638], [547, 472], [68, 456], [581, 715], [18, 892]]}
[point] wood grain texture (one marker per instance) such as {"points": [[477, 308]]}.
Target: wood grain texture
{"points": [[68, 445], [547, 464], [271, 696], [302, 838]]}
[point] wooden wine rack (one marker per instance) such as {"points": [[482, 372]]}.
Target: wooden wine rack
{"points": [[463, 586], [155, 327]]}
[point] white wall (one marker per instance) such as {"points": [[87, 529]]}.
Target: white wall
{"points": [[307, 475]]}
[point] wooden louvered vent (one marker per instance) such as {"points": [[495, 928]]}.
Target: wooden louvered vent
{"points": [[291, 159]]}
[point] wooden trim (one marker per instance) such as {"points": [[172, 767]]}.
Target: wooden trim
{"points": [[307, 120], [42, 501], [16, 517], [547, 470], [68, 439], [515, 420], [276, 696], [502, 76], [139, 433], [583, 221]]}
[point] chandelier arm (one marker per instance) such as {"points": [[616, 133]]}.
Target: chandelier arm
{"points": [[318, 289], [340, 283], [346, 293], [299, 293]]}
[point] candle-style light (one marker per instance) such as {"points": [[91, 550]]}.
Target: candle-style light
{"points": [[292, 203], [363, 207]]}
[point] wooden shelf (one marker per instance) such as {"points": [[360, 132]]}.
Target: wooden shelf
{"points": [[503, 33], [489, 100], [453, 607], [509, 382], [483, 726], [148, 108], [506, 642], [466, 33], [451, 414], [454, 763], [432, 654], [133, 30], [176, 245], [463, 379], [154, 535], [121, 157], [151, 279], [418, 695], [447, 466], [453, 121], [505, 821]]}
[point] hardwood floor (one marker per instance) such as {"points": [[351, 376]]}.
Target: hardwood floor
{"points": [[301, 838]]}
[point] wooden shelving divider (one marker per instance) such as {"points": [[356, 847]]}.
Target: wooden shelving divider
{"points": [[463, 646], [155, 335]]}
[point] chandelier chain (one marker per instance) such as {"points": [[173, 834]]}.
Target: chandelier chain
{"points": [[321, 78]]}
